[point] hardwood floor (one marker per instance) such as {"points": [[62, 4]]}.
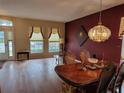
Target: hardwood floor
{"points": [[34, 76]]}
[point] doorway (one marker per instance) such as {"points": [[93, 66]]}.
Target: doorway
{"points": [[6, 45]]}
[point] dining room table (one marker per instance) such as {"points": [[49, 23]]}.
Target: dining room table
{"points": [[74, 75]]}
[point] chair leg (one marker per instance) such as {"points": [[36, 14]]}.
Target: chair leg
{"points": [[77, 90], [80, 90]]}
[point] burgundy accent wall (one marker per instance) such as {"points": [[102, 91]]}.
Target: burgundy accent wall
{"points": [[110, 48]]}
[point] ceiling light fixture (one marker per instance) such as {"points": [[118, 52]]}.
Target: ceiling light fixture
{"points": [[99, 33]]}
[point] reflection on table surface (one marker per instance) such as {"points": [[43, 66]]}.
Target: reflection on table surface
{"points": [[74, 75]]}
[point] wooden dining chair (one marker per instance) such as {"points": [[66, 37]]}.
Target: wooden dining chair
{"points": [[84, 55], [69, 58], [119, 79], [106, 77]]}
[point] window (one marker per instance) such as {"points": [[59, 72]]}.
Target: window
{"points": [[2, 43], [6, 37], [122, 49], [36, 41], [121, 35], [4, 22], [54, 45], [10, 44]]}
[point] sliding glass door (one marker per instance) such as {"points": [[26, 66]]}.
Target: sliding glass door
{"points": [[6, 45]]}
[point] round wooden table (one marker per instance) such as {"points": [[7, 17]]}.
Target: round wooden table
{"points": [[73, 75]]}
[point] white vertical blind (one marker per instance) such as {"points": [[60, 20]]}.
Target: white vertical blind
{"points": [[122, 49]]}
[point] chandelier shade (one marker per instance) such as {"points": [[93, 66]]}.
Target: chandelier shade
{"points": [[99, 33]]}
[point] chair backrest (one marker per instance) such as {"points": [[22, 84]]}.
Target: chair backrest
{"points": [[119, 78], [69, 58], [105, 77], [84, 55], [120, 74]]}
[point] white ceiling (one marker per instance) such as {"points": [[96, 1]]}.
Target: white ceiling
{"points": [[56, 10]]}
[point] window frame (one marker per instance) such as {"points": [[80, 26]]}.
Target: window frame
{"points": [[42, 41], [54, 51], [41, 51], [54, 41]]}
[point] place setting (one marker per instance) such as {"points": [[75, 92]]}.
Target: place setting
{"points": [[93, 63]]}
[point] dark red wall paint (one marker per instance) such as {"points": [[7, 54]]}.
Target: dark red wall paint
{"points": [[111, 48]]}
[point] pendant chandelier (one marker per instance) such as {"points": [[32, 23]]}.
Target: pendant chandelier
{"points": [[99, 33]]}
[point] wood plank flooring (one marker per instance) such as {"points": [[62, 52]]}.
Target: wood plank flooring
{"points": [[33, 76]]}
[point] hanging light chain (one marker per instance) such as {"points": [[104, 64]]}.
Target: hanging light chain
{"points": [[100, 14], [99, 33]]}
